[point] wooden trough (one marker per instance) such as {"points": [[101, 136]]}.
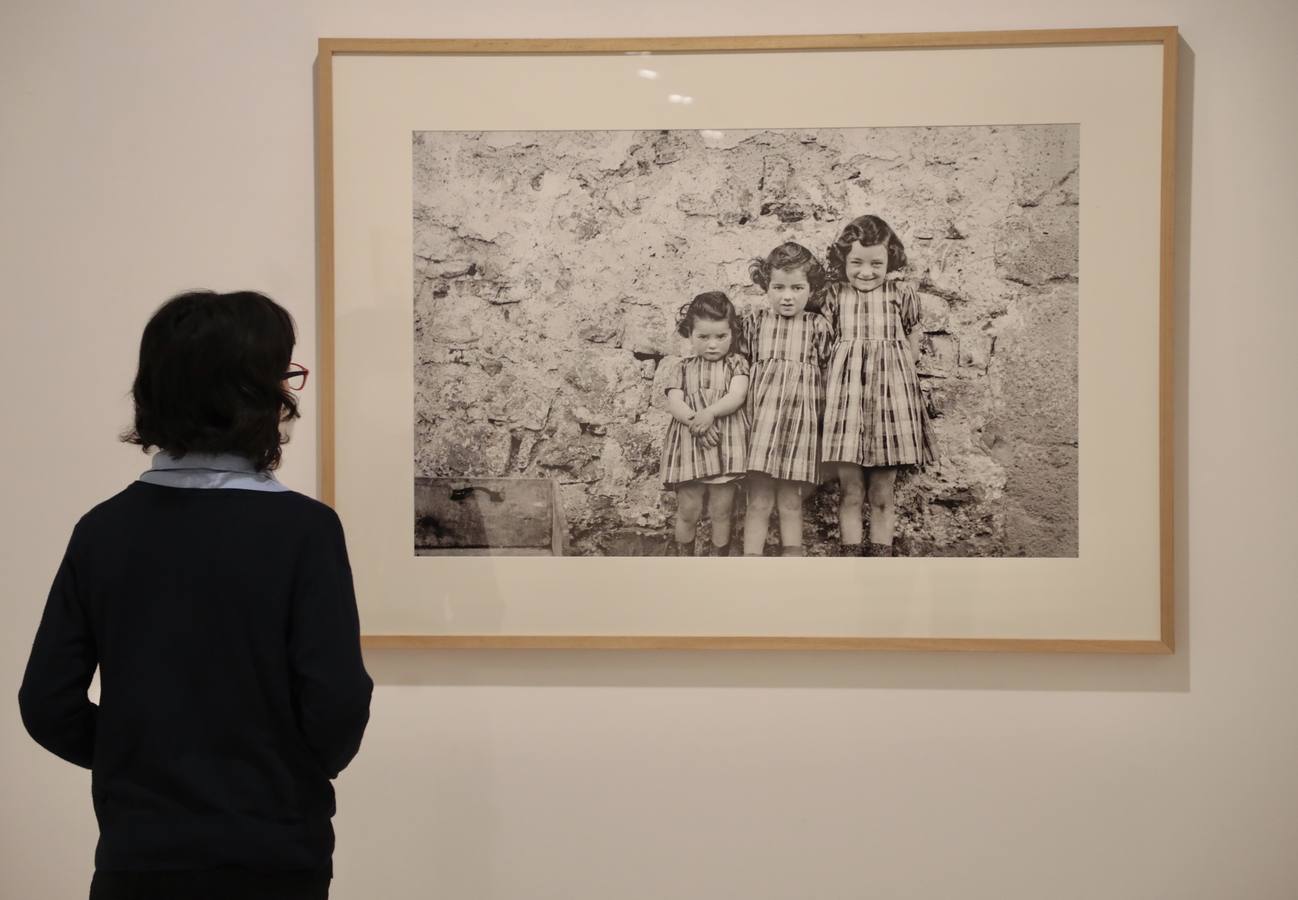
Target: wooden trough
{"points": [[488, 517]]}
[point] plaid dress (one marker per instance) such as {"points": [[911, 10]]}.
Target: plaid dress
{"points": [[874, 413], [786, 393], [704, 383]]}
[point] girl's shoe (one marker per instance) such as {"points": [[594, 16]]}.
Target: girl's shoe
{"points": [[684, 549]]}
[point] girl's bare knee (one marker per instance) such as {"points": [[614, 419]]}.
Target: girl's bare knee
{"points": [[882, 494], [689, 505], [720, 503]]}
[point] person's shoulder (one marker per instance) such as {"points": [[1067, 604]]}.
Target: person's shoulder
{"points": [[737, 363], [140, 495], [110, 511], [309, 508], [316, 522]]}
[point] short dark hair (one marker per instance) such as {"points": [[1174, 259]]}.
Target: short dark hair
{"points": [[211, 377], [714, 306], [787, 256], [868, 231]]}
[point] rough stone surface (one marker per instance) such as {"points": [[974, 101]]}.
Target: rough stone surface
{"points": [[549, 268]]}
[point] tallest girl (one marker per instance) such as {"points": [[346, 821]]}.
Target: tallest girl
{"points": [[875, 420]]}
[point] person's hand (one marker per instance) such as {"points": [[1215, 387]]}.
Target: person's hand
{"points": [[701, 422], [711, 437]]}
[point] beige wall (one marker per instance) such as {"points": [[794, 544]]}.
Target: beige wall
{"points": [[150, 147]]}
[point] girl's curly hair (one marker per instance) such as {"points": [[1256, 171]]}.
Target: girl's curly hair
{"points": [[791, 255], [868, 231], [714, 306]]}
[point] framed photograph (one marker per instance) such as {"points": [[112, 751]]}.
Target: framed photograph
{"points": [[841, 342]]}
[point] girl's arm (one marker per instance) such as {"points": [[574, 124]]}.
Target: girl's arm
{"points": [[829, 307], [913, 340], [731, 402], [824, 340], [677, 407], [911, 316], [747, 332], [733, 399]]}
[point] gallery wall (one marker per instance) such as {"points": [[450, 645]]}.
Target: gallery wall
{"points": [[146, 148]]}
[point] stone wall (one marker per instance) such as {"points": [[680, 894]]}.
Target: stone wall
{"points": [[549, 267]]}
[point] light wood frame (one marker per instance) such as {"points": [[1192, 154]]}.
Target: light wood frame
{"points": [[1166, 37]]}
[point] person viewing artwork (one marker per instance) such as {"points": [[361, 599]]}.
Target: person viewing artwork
{"points": [[217, 607]]}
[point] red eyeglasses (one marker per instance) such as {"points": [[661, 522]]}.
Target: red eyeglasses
{"points": [[295, 377]]}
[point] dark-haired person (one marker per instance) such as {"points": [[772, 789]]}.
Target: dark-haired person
{"points": [[218, 607], [876, 422], [705, 449], [788, 343]]}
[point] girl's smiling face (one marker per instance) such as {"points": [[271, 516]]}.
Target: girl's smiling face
{"points": [[866, 267], [710, 339], [788, 291]]}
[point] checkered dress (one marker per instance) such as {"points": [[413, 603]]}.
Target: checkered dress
{"points": [[786, 393], [704, 383], [874, 414]]}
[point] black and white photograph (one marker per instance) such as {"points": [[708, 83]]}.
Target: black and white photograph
{"points": [[829, 342]]}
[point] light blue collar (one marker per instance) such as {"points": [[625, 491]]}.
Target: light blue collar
{"points": [[209, 470]]}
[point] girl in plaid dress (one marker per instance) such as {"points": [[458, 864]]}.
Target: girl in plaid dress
{"points": [[706, 448], [875, 418], [788, 344]]}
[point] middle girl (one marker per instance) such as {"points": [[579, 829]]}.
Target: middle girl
{"points": [[788, 344]]}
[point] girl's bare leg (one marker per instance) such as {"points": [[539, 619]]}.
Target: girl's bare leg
{"points": [[788, 500], [883, 505], [689, 509], [721, 509], [851, 495], [761, 498]]}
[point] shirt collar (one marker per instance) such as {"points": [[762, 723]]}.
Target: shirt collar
{"points": [[209, 470], [216, 462]]}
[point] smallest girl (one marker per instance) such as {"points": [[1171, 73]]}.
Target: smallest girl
{"points": [[706, 448]]}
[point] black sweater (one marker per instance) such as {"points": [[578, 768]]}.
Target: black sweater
{"points": [[232, 689]]}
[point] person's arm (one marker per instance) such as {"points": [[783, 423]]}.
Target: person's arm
{"points": [[53, 702], [331, 688], [829, 308], [733, 398], [747, 333], [677, 406], [730, 402], [824, 340], [911, 316]]}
